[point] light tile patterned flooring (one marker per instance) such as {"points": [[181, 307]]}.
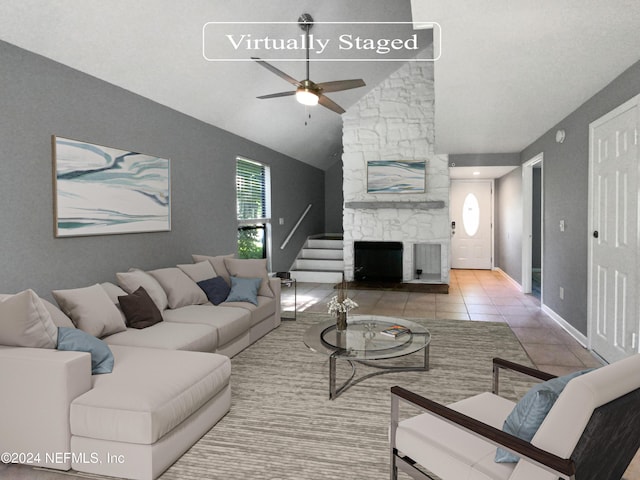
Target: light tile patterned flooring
{"points": [[480, 295]]}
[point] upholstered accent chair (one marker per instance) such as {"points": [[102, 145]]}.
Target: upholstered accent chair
{"points": [[591, 432]]}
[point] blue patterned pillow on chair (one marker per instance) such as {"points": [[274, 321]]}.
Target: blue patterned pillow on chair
{"points": [[529, 413]]}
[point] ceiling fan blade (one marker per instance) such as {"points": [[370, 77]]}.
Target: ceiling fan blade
{"points": [[277, 71], [330, 104], [276, 95], [340, 85]]}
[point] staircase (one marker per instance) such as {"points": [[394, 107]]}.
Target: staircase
{"points": [[320, 260]]}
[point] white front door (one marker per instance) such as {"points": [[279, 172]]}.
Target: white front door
{"points": [[613, 198], [471, 223]]}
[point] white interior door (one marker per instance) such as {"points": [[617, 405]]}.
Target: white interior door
{"points": [[613, 196], [471, 224]]}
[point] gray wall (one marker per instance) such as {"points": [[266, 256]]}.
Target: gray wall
{"points": [[40, 98], [508, 231], [333, 198], [566, 170]]}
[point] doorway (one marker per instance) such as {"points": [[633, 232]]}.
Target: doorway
{"points": [[471, 210], [532, 225]]}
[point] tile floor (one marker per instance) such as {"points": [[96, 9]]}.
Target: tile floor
{"points": [[480, 295]]}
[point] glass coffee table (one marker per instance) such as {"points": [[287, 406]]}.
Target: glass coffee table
{"points": [[363, 342]]}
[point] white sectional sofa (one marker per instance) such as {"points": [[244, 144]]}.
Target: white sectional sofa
{"points": [[169, 384]]}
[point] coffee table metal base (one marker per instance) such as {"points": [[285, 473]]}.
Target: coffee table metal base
{"points": [[334, 391]]}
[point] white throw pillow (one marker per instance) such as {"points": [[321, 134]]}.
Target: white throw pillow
{"points": [[217, 263], [199, 271], [251, 268], [133, 279], [180, 289], [91, 310], [25, 322]]}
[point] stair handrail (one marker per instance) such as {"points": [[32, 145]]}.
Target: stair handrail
{"points": [[295, 227]]}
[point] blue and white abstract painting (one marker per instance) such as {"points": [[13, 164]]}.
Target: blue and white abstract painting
{"points": [[101, 190], [395, 176]]}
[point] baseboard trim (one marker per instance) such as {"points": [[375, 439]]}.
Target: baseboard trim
{"points": [[566, 326], [505, 275]]}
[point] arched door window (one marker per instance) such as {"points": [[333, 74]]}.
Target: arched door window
{"points": [[471, 215]]}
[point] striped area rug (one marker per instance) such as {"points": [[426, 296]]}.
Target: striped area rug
{"points": [[282, 425]]}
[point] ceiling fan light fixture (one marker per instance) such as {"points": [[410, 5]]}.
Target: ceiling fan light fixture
{"points": [[306, 97]]}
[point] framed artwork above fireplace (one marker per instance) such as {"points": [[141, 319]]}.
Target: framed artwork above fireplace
{"points": [[396, 176]]}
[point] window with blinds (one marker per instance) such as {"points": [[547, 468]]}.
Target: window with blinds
{"points": [[253, 208], [251, 190]]}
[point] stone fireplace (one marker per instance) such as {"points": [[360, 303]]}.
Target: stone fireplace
{"points": [[395, 121]]}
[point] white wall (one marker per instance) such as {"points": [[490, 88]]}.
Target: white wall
{"points": [[395, 121]]}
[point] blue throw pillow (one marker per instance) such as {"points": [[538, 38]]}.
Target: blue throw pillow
{"points": [[529, 413], [244, 290], [216, 289], [79, 341]]}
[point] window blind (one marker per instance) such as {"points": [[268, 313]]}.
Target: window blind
{"points": [[251, 190]]}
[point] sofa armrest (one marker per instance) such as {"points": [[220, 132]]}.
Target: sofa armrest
{"points": [[38, 386], [276, 287]]}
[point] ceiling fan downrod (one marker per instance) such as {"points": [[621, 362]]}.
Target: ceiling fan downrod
{"points": [[306, 22]]}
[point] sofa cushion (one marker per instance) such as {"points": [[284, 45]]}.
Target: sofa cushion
{"points": [[265, 308], [59, 318], [244, 290], [150, 392], [91, 310], [229, 322], [25, 322], [170, 336], [180, 289], [531, 410], [216, 289], [133, 279], [198, 271], [251, 268], [76, 340], [217, 263], [139, 309]]}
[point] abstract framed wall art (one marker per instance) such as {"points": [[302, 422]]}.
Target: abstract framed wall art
{"points": [[396, 176], [102, 190]]}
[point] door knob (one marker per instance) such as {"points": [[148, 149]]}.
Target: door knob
{"points": [[595, 234]]}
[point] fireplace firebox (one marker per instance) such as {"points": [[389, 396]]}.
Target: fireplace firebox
{"points": [[377, 261]]}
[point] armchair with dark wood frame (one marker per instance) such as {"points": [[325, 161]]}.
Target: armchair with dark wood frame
{"points": [[591, 433]]}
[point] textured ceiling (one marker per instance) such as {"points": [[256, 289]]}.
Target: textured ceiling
{"points": [[509, 70]]}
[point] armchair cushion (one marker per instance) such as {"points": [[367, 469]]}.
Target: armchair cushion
{"points": [[529, 413]]}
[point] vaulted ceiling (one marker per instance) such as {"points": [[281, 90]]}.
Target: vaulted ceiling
{"points": [[509, 70]]}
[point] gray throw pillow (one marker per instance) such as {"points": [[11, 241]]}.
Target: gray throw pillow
{"points": [[244, 290]]}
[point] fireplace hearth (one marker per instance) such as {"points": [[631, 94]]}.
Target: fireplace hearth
{"points": [[377, 261]]}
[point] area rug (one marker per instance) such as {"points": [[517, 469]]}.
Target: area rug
{"points": [[282, 425], [398, 287]]}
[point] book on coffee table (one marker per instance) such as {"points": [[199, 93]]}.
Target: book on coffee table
{"points": [[395, 331]]}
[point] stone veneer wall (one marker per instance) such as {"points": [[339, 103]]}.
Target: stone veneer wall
{"points": [[395, 121]]}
